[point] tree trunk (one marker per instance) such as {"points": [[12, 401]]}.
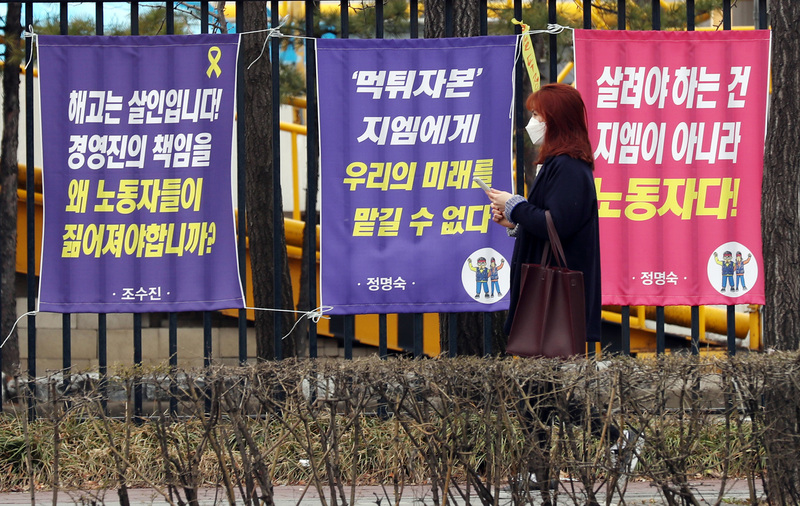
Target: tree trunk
{"points": [[8, 187], [260, 192], [781, 240], [465, 14], [781, 185], [470, 326]]}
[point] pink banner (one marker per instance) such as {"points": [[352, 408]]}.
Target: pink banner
{"points": [[678, 121]]}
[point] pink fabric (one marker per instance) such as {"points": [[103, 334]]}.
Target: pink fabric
{"points": [[677, 121]]}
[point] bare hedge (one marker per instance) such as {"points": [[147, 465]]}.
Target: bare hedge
{"points": [[469, 428]]}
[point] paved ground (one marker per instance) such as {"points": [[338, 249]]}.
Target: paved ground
{"points": [[707, 492]]}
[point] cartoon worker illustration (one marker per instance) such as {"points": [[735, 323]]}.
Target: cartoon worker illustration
{"points": [[739, 269], [727, 269], [482, 276], [494, 275]]}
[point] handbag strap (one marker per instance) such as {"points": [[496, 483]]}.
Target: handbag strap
{"points": [[555, 241]]}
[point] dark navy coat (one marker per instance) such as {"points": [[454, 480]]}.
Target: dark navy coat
{"points": [[565, 186]]}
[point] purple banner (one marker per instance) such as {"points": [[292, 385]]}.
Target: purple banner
{"points": [[137, 135], [405, 126]]}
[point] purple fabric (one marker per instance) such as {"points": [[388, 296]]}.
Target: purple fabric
{"points": [[138, 213], [404, 127]]}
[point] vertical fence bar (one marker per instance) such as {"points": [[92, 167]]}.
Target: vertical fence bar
{"points": [[726, 15], [484, 14], [170, 17], [173, 363], [656, 9], [102, 320], [625, 334], [625, 312], [695, 330], [349, 336], [695, 310], [207, 342], [349, 321], [66, 318], [241, 217], [487, 317], [448, 18], [452, 335], [173, 317], [312, 139], [731, 322], [383, 337], [553, 43], [661, 338], [519, 114], [278, 238], [587, 15], [419, 345], [66, 344], [204, 16], [761, 14], [207, 358], [63, 18], [382, 346], [344, 19], [134, 18], [419, 318], [102, 358], [731, 311], [419, 334], [587, 24], [452, 318], [138, 391], [519, 109], [31, 231], [487, 334], [414, 12], [660, 318]]}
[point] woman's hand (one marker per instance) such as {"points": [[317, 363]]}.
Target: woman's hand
{"points": [[498, 198], [499, 217]]}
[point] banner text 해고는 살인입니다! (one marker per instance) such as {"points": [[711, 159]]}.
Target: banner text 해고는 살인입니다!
{"points": [[136, 142]]}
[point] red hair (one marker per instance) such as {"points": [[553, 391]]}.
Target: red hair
{"points": [[564, 114]]}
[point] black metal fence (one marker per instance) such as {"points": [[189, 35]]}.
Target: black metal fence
{"points": [[412, 324]]}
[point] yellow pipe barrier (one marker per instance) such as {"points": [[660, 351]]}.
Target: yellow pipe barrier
{"points": [[291, 127], [22, 196], [565, 71], [294, 232], [715, 319]]}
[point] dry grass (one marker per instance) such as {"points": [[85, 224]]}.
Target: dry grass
{"points": [[462, 425]]}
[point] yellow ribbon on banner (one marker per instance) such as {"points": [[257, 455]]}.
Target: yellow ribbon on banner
{"points": [[529, 55], [214, 55]]}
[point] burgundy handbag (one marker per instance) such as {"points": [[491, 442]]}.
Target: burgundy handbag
{"points": [[550, 320]]}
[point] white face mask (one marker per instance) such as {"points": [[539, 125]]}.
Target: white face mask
{"points": [[535, 129]]}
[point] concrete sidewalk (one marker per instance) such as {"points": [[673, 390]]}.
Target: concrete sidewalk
{"points": [[706, 491]]}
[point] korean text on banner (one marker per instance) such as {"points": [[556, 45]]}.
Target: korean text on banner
{"points": [[137, 135], [405, 126], [678, 126]]}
